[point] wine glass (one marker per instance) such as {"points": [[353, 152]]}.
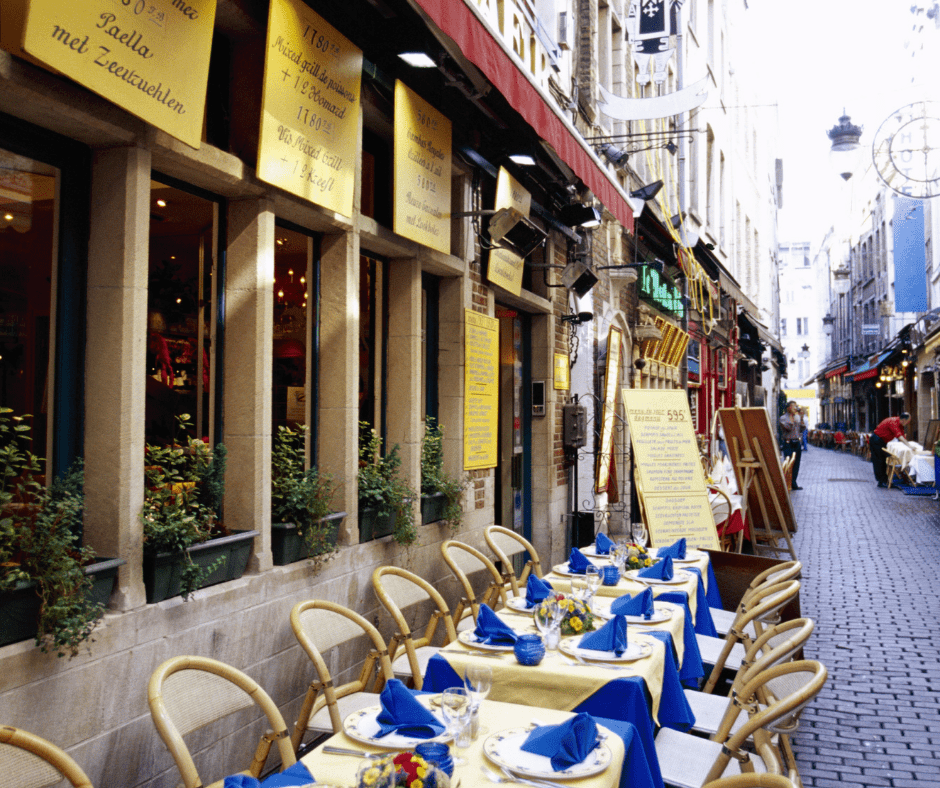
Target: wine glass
{"points": [[478, 679], [592, 576], [456, 707], [549, 621]]}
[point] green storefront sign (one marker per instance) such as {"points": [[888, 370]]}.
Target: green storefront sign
{"points": [[659, 292]]}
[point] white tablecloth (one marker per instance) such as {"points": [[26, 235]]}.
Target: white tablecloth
{"points": [[903, 452], [922, 468]]}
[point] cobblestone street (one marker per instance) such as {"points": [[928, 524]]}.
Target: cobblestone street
{"points": [[870, 582]]}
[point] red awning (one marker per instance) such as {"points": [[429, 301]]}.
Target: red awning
{"points": [[837, 371], [868, 373], [456, 19]]}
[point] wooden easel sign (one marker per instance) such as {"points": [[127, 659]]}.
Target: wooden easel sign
{"points": [[670, 481]]}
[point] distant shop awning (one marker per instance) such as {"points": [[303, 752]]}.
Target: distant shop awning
{"points": [[458, 21], [837, 371], [870, 368]]}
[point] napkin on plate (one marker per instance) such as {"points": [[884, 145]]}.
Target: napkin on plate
{"points": [[536, 590], [639, 605], [603, 545], [401, 713], [298, 774], [661, 570], [675, 550], [565, 744], [610, 637], [577, 562], [491, 630]]}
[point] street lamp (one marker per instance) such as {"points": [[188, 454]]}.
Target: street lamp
{"points": [[845, 153], [804, 351], [828, 321]]}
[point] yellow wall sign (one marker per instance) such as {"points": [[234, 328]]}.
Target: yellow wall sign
{"points": [[611, 381], [310, 108], [422, 171], [505, 266], [562, 372], [668, 470], [511, 194], [151, 58], [481, 390]]}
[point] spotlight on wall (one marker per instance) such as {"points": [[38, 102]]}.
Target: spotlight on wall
{"points": [[616, 156], [578, 319], [417, 59], [578, 215], [579, 277], [509, 229], [637, 199]]}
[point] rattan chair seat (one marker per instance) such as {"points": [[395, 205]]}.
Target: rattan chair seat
{"points": [[686, 760], [711, 649], [348, 704]]}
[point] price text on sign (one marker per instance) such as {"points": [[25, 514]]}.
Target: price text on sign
{"points": [[310, 108], [150, 57], [481, 393]]}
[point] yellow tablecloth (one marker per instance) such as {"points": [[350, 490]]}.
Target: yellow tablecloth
{"points": [[494, 717]]}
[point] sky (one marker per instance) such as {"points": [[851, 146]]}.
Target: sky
{"points": [[816, 57]]}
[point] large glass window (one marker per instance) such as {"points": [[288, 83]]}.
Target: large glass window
{"points": [[373, 344]]}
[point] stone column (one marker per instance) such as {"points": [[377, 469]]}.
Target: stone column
{"points": [[115, 363], [249, 325]]}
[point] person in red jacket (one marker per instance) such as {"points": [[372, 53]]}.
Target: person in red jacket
{"points": [[888, 430]]}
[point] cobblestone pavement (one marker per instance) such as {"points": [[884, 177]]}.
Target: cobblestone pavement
{"points": [[870, 581]]}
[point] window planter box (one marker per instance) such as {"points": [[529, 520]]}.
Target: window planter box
{"points": [[372, 526], [162, 570], [289, 546], [432, 508]]}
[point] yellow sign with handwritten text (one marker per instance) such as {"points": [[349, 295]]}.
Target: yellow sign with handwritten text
{"points": [[562, 377], [151, 58], [669, 475], [422, 171], [310, 108], [505, 267], [481, 392]]}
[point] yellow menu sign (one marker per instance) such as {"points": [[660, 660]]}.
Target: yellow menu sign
{"points": [[505, 266], [669, 473], [310, 108], [562, 381], [151, 58], [481, 391], [422, 171]]}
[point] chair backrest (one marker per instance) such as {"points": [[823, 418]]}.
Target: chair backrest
{"points": [[751, 780], [505, 544], [29, 761], [398, 589], [464, 561], [319, 627], [186, 693], [775, 574]]}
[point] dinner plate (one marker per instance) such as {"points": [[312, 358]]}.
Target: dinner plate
{"points": [[363, 726], [562, 569], [505, 750], [469, 638], [691, 556], [660, 613], [681, 576], [518, 604], [634, 652], [591, 550]]}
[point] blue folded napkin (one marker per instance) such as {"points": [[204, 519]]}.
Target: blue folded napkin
{"points": [[610, 637], [661, 570], [491, 630], [401, 713], [565, 744], [639, 605], [603, 545], [577, 562], [675, 550], [536, 590], [298, 774]]}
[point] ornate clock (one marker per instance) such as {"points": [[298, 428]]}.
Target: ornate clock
{"points": [[906, 150]]}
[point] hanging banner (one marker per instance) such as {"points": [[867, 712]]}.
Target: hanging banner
{"points": [[309, 108], [611, 381], [481, 390], [150, 58], [910, 275], [620, 108], [422, 171]]}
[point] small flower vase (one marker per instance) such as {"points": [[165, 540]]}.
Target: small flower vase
{"points": [[552, 638], [437, 754], [610, 576], [529, 649]]}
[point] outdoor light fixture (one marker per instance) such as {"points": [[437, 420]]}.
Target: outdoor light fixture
{"points": [[637, 199], [522, 159], [417, 59], [578, 319], [616, 156], [509, 229], [579, 277], [804, 351], [844, 155], [828, 321], [578, 215]]}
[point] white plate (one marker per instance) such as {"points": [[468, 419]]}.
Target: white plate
{"points": [[562, 569], [468, 638], [518, 604], [691, 556], [505, 749], [591, 550], [681, 576], [660, 613], [634, 652], [363, 726]]}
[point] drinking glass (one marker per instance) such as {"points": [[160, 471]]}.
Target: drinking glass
{"points": [[478, 679], [592, 576], [456, 707]]}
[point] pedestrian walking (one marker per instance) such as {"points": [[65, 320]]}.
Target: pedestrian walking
{"points": [[791, 424], [889, 429]]}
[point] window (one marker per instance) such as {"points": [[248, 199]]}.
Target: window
{"points": [[783, 326], [373, 341]]}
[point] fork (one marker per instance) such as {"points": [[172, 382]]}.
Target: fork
{"points": [[511, 778], [592, 664]]}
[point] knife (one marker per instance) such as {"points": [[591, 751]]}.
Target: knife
{"points": [[358, 753]]}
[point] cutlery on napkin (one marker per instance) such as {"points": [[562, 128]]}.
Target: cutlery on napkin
{"points": [[491, 630], [675, 550], [298, 774], [536, 590], [577, 562], [639, 605], [661, 570], [610, 637], [565, 744], [603, 544], [401, 713]]}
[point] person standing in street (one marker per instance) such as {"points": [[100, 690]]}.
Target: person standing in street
{"points": [[791, 423], [889, 429]]}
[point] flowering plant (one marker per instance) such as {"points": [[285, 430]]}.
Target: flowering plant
{"points": [[402, 770], [576, 616], [636, 557]]}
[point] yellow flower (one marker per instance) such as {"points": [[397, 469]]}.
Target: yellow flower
{"points": [[570, 606], [576, 624], [370, 777], [648, 562]]}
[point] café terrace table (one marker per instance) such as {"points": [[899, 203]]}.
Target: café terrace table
{"points": [[631, 763]]}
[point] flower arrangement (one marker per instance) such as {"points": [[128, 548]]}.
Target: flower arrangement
{"points": [[637, 557], [577, 618], [402, 770]]}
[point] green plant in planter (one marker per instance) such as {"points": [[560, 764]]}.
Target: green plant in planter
{"points": [[298, 496], [381, 486], [39, 531], [434, 479], [184, 487]]}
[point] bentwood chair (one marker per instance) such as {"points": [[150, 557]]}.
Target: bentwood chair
{"points": [[29, 761], [464, 561], [398, 589], [786, 570], [188, 693], [506, 544], [688, 761], [320, 627], [752, 780]]}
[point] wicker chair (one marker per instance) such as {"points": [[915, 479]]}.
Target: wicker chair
{"points": [[689, 761], [776, 574], [320, 626], [463, 561], [506, 544], [28, 761], [722, 510], [752, 780], [188, 693], [397, 589]]}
